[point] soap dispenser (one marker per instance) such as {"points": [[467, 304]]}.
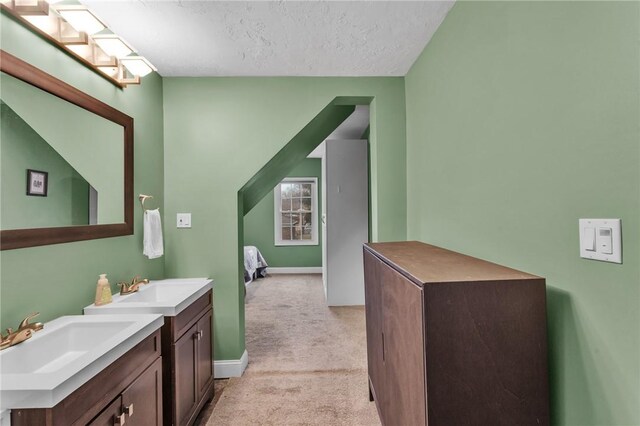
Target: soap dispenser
{"points": [[103, 291]]}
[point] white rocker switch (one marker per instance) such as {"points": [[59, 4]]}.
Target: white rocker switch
{"points": [[589, 239], [605, 243]]}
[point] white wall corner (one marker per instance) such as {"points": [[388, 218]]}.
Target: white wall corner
{"points": [[223, 369], [302, 270]]}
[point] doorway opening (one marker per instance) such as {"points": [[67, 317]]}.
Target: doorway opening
{"points": [[335, 143], [306, 215]]}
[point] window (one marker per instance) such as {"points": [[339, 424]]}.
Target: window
{"points": [[296, 212]]}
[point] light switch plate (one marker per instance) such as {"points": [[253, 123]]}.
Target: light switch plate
{"points": [[607, 246], [183, 220]]}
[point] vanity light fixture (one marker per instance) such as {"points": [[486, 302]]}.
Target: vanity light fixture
{"points": [[58, 28], [49, 24], [69, 35], [119, 73], [81, 19], [110, 71], [31, 7], [85, 51], [125, 77], [112, 45], [74, 29], [137, 65], [94, 54]]}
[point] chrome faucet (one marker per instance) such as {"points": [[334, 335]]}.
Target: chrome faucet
{"points": [[136, 282], [24, 332]]}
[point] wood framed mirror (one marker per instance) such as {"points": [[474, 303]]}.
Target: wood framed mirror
{"points": [[82, 146]]}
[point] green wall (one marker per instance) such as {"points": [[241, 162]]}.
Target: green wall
{"points": [[220, 131], [60, 279], [21, 148], [521, 118], [259, 226]]}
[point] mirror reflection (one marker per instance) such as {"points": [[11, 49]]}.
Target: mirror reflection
{"points": [[60, 165]]}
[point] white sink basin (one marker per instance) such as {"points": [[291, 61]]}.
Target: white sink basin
{"points": [[161, 293], [43, 370], [59, 347], [167, 297]]}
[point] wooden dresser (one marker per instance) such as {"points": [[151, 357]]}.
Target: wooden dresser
{"points": [[453, 340]]}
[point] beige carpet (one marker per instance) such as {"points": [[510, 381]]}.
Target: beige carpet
{"points": [[307, 362]]}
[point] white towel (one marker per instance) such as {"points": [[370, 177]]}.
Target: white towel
{"points": [[153, 246]]}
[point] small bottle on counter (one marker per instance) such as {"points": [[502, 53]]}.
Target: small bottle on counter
{"points": [[103, 291]]}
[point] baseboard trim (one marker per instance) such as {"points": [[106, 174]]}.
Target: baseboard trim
{"points": [[301, 270], [223, 369]]}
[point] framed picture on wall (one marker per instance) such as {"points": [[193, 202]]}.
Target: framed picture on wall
{"points": [[37, 183]]}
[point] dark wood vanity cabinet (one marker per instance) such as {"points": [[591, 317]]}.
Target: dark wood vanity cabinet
{"points": [[188, 361], [138, 405], [452, 339], [128, 391]]}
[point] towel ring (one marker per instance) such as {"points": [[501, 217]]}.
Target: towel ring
{"points": [[143, 198]]}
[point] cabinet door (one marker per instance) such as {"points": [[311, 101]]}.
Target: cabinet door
{"points": [[204, 357], [110, 416], [404, 348], [142, 400], [373, 309], [185, 375]]}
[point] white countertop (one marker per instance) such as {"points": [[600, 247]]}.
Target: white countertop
{"points": [[166, 297], [5, 418], [65, 354]]}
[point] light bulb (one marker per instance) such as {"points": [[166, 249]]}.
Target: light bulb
{"points": [[113, 46], [137, 65], [82, 20]]}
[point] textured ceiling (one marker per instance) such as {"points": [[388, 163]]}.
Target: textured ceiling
{"points": [[275, 38]]}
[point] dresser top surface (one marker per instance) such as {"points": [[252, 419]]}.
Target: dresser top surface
{"points": [[427, 264]]}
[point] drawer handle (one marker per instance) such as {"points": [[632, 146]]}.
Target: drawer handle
{"points": [[120, 420], [198, 335], [129, 410]]}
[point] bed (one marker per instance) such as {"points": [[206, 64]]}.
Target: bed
{"points": [[254, 264]]}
